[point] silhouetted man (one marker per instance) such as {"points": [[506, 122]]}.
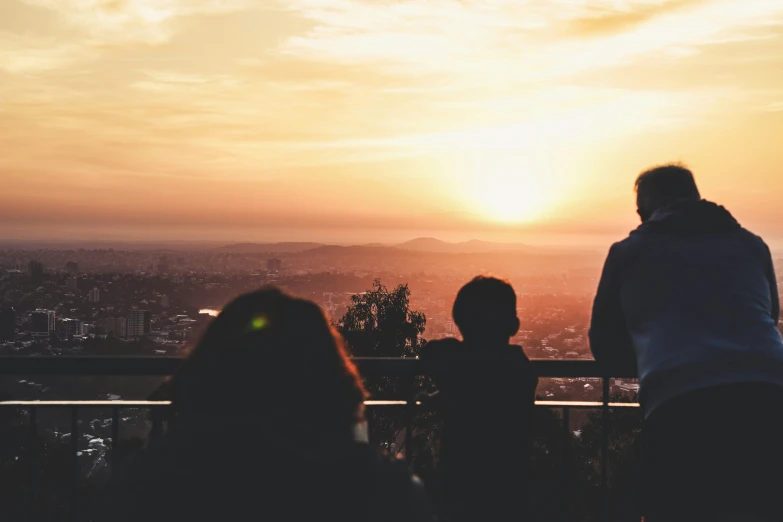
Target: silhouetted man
{"points": [[692, 297], [487, 391]]}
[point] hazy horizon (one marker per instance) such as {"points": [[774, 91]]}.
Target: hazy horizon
{"points": [[359, 121], [216, 243]]}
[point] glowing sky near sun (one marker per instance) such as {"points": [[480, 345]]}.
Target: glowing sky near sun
{"points": [[361, 120]]}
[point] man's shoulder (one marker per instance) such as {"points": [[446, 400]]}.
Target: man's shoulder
{"points": [[752, 239], [626, 247]]}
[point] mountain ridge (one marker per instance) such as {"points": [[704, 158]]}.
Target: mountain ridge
{"points": [[419, 244]]}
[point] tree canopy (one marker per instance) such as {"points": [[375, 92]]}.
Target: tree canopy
{"points": [[380, 323]]}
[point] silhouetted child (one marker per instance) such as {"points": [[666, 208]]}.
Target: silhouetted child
{"points": [[487, 391]]}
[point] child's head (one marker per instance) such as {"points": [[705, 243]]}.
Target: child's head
{"points": [[486, 310]]}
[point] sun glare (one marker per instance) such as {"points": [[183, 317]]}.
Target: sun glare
{"points": [[504, 189], [512, 197]]}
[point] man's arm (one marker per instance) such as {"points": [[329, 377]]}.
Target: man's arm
{"points": [[773, 288], [610, 341]]}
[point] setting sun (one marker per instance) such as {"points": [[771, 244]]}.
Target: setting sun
{"points": [[504, 184], [511, 196]]}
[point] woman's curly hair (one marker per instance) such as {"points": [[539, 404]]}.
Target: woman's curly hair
{"points": [[275, 357]]}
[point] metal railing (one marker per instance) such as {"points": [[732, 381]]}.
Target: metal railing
{"points": [[368, 367]]}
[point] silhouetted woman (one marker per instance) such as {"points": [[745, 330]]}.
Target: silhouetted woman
{"points": [[269, 425]]}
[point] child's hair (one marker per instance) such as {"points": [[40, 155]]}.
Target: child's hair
{"points": [[486, 307]]}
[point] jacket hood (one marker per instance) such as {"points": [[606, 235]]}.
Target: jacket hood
{"points": [[691, 217]]}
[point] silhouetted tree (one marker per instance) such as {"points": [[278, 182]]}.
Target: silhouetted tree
{"points": [[380, 323]]}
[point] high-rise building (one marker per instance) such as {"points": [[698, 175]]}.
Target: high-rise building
{"points": [[165, 302], [163, 265], [42, 323], [274, 266], [7, 324], [116, 326], [67, 328], [72, 284], [138, 323], [72, 267], [35, 269], [94, 296]]}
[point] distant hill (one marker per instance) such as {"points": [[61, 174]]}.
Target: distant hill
{"points": [[431, 244], [283, 248], [400, 260]]}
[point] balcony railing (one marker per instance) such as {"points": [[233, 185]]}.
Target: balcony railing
{"points": [[407, 368]]}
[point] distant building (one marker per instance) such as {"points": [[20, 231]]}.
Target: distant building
{"points": [[180, 261], [35, 269], [116, 326], [165, 302], [273, 268], [163, 265], [72, 284], [451, 328], [7, 324], [42, 323], [274, 265], [94, 296], [67, 328], [72, 267], [138, 323]]}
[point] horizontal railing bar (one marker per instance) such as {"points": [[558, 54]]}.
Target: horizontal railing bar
{"points": [[153, 404], [388, 403], [88, 404], [584, 404], [368, 366]]}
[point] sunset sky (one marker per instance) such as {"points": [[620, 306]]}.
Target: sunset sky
{"points": [[371, 120]]}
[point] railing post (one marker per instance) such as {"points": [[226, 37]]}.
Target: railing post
{"points": [[115, 440], [157, 415], [564, 482], [33, 468], [76, 471], [410, 406], [605, 450]]}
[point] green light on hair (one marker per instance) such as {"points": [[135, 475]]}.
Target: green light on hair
{"points": [[258, 323]]}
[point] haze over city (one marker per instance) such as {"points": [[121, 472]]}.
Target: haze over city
{"points": [[363, 121]]}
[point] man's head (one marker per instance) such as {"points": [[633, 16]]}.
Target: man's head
{"points": [[486, 310], [661, 186]]}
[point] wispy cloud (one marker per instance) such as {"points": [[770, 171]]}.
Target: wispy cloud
{"points": [[25, 54], [99, 25], [118, 22], [506, 41]]}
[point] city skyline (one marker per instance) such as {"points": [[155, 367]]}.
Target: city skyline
{"points": [[358, 122]]}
